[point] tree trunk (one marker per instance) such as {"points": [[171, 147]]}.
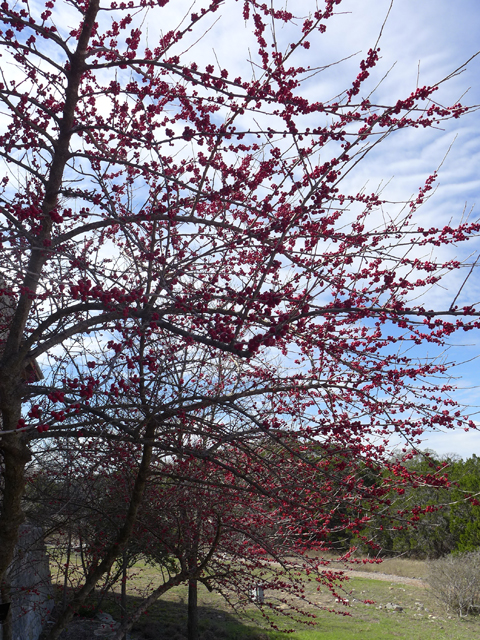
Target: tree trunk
{"points": [[7, 630], [174, 581], [15, 456], [65, 578], [14, 450], [123, 596], [114, 551], [192, 625]]}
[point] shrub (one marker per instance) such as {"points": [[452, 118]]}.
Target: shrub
{"points": [[455, 581]]}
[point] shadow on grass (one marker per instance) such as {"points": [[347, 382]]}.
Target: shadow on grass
{"points": [[167, 620]]}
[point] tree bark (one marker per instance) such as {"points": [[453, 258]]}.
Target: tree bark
{"points": [[192, 625], [15, 456], [123, 596], [7, 630], [65, 577]]}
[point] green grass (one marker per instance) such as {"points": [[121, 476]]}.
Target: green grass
{"points": [[422, 618], [366, 622], [370, 622]]}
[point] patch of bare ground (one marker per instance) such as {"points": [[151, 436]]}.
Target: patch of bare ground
{"points": [[387, 577]]}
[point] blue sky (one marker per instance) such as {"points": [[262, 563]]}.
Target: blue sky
{"points": [[423, 42], [433, 38]]}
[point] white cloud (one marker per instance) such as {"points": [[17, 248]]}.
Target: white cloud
{"points": [[463, 443]]}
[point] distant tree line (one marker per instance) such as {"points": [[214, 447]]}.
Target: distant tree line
{"points": [[442, 519]]}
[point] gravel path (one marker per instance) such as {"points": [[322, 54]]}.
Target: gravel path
{"points": [[387, 577]]}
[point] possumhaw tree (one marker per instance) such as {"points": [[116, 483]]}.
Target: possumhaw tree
{"points": [[175, 237], [198, 523], [203, 521]]}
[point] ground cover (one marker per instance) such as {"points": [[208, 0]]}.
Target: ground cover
{"points": [[403, 608]]}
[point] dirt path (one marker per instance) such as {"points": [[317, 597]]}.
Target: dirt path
{"points": [[387, 577]]}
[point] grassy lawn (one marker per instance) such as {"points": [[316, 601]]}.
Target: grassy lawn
{"points": [[421, 618]]}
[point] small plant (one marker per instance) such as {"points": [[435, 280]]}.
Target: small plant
{"points": [[455, 581], [86, 611]]}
